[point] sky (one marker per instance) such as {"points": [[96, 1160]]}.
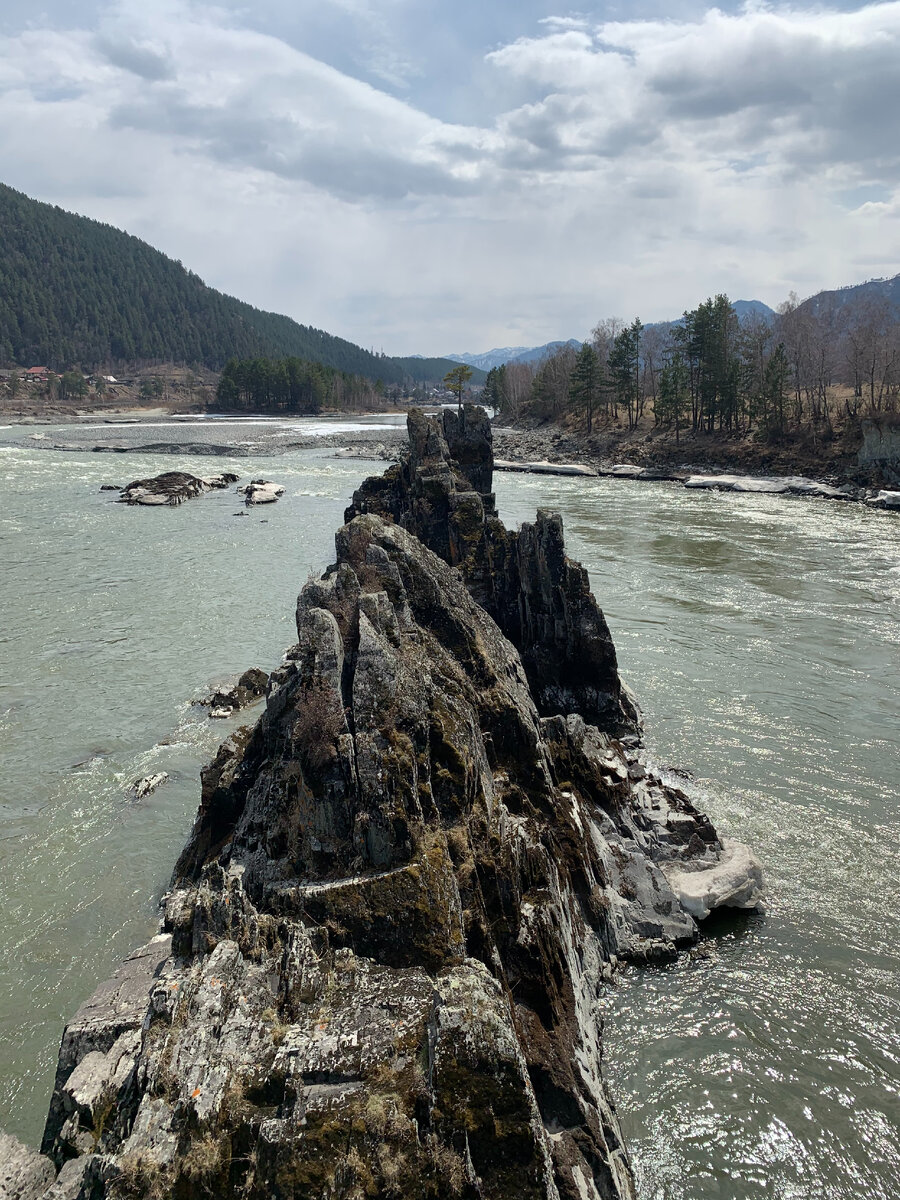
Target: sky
{"points": [[432, 178]]}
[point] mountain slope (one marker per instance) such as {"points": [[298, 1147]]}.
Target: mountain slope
{"points": [[491, 358], [541, 352], [748, 308], [854, 299], [73, 290]]}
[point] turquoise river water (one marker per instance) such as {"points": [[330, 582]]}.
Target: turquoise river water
{"points": [[762, 636]]}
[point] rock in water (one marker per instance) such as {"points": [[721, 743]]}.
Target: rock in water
{"points": [[385, 941], [143, 787], [172, 487], [261, 491], [249, 688]]}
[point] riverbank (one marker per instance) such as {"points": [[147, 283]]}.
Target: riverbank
{"points": [[372, 436], [118, 410], [835, 461], [703, 463]]}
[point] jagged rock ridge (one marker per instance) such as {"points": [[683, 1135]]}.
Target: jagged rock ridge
{"points": [[540, 598], [381, 956]]}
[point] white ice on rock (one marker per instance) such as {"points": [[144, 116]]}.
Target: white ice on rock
{"points": [[734, 880]]}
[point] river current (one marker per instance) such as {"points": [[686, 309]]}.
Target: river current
{"points": [[762, 636]]}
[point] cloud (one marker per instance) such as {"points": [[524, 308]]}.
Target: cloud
{"points": [[798, 89], [143, 59], [250, 99], [627, 167]]}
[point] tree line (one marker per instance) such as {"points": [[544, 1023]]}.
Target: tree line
{"points": [[294, 385], [798, 371]]}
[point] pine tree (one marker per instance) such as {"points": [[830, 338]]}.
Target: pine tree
{"points": [[584, 389]]}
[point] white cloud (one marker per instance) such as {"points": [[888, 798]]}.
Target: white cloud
{"points": [[809, 90], [627, 167]]}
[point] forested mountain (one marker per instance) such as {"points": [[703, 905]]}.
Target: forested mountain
{"points": [[857, 300], [431, 370], [73, 290], [746, 309]]}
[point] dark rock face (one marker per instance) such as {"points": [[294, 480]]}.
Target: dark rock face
{"points": [[381, 957], [538, 596], [249, 688], [880, 450], [172, 487]]}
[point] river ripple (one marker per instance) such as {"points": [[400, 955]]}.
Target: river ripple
{"points": [[762, 637], [113, 620]]}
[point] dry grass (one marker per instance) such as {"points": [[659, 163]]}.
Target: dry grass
{"points": [[140, 1178], [319, 723], [204, 1159]]}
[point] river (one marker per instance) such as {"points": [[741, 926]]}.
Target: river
{"points": [[762, 636]]}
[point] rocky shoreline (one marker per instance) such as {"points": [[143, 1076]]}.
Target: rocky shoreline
{"points": [[382, 444], [541, 451], [562, 454], [380, 959]]}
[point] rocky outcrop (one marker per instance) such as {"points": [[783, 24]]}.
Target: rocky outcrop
{"points": [[539, 597], [250, 687], [172, 487], [381, 956], [544, 468], [24, 1174], [880, 449], [261, 491]]}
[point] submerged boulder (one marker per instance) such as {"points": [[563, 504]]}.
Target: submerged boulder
{"points": [[383, 949]]}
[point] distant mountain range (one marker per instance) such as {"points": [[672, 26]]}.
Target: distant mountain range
{"points": [[508, 354], [526, 354], [75, 291]]}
